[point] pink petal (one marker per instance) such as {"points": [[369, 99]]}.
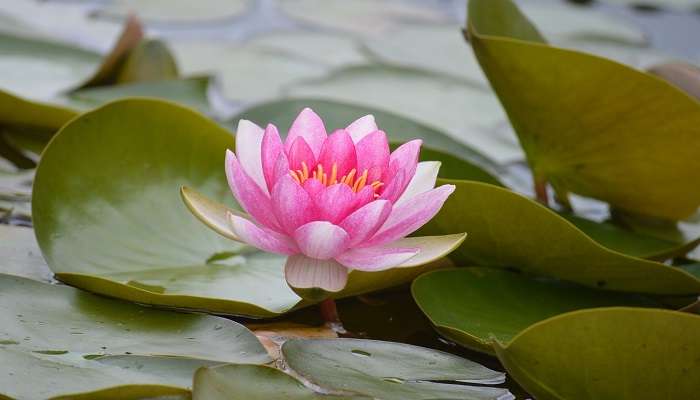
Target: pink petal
{"points": [[292, 206], [362, 127], [393, 190], [248, 146], [364, 196], [314, 188], [405, 157], [376, 258], [338, 149], [321, 239], [373, 155], [250, 196], [408, 217], [365, 221], [305, 273], [281, 169], [423, 180], [263, 239], [271, 149], [334, 202], [300, 152], [307, 125]]}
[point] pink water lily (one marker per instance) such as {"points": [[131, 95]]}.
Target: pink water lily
{"points": [[331, 203]]}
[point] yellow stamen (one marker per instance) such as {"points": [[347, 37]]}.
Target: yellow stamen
{"points": [[360, 182], [294, 175], [334, 173], [305, 169]]}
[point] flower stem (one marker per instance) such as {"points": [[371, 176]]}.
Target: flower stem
{"points": [[329, 313], [541, 191]]}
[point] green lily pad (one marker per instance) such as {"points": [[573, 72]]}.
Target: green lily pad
{"points": [[361, 17], [20, 254], [642, 163], [389, 370], [320, 47], [605, 354], [398, 128], [58, 341], [433, 249], [633, 243], [190, 92], [511, 231], [468, 113], [129, 235], [475, 306], [248, 73], [174, 11], [27, 125], [693, 268], [253, 382], [40, 68]]}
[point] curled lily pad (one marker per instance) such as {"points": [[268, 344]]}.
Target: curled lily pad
{"points": [[253, 382], [27, 125], [390, 371], [475, 306], [608, 353], [58, 341], [568, 119], [129, 235], [511, 231]]}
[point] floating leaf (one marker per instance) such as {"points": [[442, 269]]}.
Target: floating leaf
{"points": [[390, 371], [252, 382], [248, 73], [475, 306], [469, 114], [320, 47], [20, 254], [509, 230], [58, 341], [361, 17], [190, 92], [174, 11], [571, 129], [602, 353], [40, 68], [337, 114], [129, 235]]}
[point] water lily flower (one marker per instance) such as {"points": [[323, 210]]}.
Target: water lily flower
{"points": [[331, 203]]}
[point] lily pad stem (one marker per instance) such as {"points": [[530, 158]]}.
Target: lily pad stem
{"points": [[541, 191], [329, 313]]}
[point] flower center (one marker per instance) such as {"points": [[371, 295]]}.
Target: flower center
{"points": [[355, 182]]}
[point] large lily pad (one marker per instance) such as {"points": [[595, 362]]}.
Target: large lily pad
{"points": [[58, 341], [475, 306], [606, 354], [20, 254], [511, 231], [335, 113], [253, 382], [111, 220], [390, 371], [568, 119], [468, 113], [40, 68]]}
